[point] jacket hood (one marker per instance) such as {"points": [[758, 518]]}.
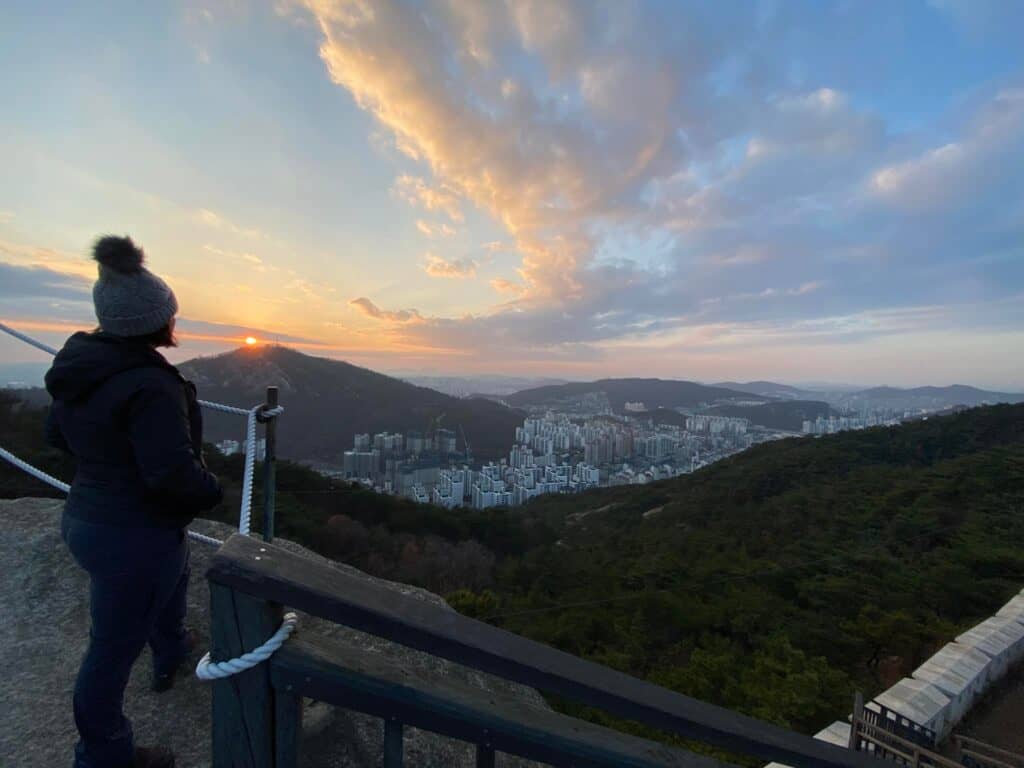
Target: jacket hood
{"points": [[89, 359]]}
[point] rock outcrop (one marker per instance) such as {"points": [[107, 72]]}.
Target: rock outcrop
{"points": [[43, 637]]}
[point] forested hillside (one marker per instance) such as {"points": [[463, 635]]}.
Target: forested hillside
{"points": [[778, 581], [654, 393], [775, 582]]}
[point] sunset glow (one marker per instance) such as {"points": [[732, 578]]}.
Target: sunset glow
{"points": [[702, 191]]}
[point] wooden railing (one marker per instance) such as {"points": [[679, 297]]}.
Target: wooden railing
{"points": [[978, 754], [257, 714], [885, 744], [877, 718]]}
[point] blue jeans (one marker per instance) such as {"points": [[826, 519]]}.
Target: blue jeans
{"points": [[139, 583]]}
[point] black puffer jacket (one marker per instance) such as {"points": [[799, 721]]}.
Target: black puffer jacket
{"points": [[133, 423]]}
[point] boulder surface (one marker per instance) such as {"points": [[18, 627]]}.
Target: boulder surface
{"points": [[44, 633]]}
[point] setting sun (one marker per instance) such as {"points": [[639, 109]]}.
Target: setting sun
{"points": [[250, 340]]}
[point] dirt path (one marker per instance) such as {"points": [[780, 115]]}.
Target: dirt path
{"points": [[999, 718]]}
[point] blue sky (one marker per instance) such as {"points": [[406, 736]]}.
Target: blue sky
{"points": [[786, 190]]}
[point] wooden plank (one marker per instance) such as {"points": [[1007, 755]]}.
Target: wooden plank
{"points": [[981, 745], [902, 748], [858, 715], [288, 727], [243, 704], [345, 675], [319, 589]]}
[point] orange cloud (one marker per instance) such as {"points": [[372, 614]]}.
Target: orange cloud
{"points": [[459, 269], [371, 310], [415, 191], [501, 285]]}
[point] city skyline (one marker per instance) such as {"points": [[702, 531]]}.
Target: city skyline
{"points": [[778, 190]]}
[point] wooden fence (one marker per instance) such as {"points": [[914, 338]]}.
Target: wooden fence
{"points": [[257, 714]]}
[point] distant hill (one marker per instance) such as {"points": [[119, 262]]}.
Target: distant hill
{"points": [[926, 398], [895, 398], [328, 401], [653, 393], [490, 387], [769, 389], [786, 415]]}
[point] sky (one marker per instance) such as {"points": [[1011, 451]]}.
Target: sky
{"points": [[797, 191]]}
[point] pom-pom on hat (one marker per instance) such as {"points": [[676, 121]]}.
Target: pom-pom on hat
{"points": [[130, 300]]}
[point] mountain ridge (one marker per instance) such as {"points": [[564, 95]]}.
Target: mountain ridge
{"points": [[652, 392], [328, 401]]}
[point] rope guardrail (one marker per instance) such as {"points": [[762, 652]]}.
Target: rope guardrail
{"points": [[245, 515], [64, 487], [27, 339], [37, 473], [252, 416], [218, 670]]}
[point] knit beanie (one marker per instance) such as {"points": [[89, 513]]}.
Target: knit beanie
{"points": [[130, 300]]}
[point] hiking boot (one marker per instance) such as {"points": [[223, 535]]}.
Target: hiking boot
{"points": [[152, 757], [164, 681]]}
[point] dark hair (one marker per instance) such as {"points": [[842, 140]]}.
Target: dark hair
{"points": [[163, 337]]}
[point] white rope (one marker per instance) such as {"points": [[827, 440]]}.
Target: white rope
{"points": [[260, 411], [51, 480], [245, 515], [223, 408], [217, 670], [27, 339], [204, 538], [204, 403], [36, 473]]}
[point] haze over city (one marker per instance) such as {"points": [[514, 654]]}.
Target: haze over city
{"points": [[819, 191]]}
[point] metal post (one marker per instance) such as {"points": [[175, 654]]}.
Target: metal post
{"points": [[269, 467]]}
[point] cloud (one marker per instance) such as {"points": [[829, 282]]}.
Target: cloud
{"points": [[416, 192], [235, 334], [25, 255], [34, 282], [246, 257], [435, 266], [435, 230], [371, 310], [662, 174], [499, 142], [219, 222], [947, 175], [502, 285]]}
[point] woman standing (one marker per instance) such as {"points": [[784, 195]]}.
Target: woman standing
{"points": [[133, 424]]}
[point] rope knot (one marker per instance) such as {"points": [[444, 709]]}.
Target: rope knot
{"points": [[218, 670]]}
